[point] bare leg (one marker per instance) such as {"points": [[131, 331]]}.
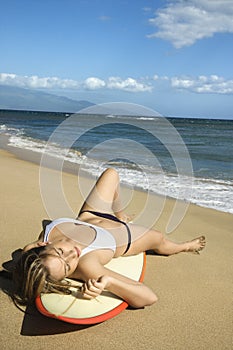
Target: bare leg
{"points": [[143, 240], [168, 247], [105, 195]]}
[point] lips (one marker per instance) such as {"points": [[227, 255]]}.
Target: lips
{"points": [[77, 251]]}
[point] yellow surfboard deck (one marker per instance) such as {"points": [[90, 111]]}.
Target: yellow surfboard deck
{"points": [[77, 310]]}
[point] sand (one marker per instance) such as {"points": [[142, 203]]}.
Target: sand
{"points": [[194, 310]]}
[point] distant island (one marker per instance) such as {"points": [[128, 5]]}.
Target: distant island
{"points": [[26, 99]]}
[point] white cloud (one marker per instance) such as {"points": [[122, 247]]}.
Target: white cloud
{"points": [[183, 22], [36, 82], [128, 84], [204, 84], [201, 84], [91, 83]]}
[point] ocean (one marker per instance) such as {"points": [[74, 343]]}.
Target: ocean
{"points": [[183, 158]]}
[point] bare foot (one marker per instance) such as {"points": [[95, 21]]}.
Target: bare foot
{"points": [[196, 245]]}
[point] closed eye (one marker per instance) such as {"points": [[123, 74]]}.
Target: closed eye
{"points": [[59, 252]]}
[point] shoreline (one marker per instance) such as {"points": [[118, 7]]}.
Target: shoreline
{"points": [[195, 292], [72, 168]]}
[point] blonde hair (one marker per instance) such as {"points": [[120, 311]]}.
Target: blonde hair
{"points": [[31, 277]]}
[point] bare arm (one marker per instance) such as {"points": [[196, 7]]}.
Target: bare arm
{"points": [[38, 243], [134, 293]]}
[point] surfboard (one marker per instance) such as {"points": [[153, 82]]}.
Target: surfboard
{"points": [[76, 310]]}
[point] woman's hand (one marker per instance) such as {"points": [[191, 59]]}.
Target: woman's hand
{"points": [[92, 288], [35, 244], [134, 293]]}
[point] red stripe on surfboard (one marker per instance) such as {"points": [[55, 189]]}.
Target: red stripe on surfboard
{"points": [[90, 320]]}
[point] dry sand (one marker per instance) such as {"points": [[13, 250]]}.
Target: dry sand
{"points": [[194, 310]]}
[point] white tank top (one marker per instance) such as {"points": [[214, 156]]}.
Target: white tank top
{"points": [[103, 238]]}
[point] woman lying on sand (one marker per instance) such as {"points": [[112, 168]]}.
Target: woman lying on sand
{"points": [[80, 249]]}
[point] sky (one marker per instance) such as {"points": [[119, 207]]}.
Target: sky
{"points": [[173, 56]]}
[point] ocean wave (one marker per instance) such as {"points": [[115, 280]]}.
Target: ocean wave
{"points": [[132, 117], [193, 190], [147, 118], [4, 129], [207, 192], [40, 146]]}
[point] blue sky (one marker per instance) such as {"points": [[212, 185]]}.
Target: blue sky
{"points": [[173, 56]]}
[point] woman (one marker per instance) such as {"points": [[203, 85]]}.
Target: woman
{"points": [[80, 249]]}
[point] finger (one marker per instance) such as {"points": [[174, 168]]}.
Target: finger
{"points": [[90, 290], [87, 296], [42, 244], [96, 284], [91, 286], [90, 283], [99, 285]]}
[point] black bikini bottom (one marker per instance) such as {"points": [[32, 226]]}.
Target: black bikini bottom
{"points": [[113, 218]]}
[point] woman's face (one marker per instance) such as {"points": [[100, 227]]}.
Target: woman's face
{"points": [[63, 258]]}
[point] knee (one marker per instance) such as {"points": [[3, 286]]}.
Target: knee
{"points": [[160, 237], [160, 241], [111, 172]]}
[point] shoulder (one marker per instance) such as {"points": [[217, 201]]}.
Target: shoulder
{"points": [[92, 264], [98, 256]]}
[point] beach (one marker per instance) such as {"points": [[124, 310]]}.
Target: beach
{"points": [[194, 310]]}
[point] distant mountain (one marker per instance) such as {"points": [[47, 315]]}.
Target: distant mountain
{"points": [[26, 99]]}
